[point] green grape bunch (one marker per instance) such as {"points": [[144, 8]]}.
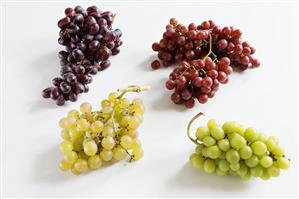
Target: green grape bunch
{"points": [[92, 137], [232, 149]]}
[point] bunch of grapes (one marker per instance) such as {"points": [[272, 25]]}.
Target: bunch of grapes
{"points": [[198, 79], [196, 41], [89, 41], [232, 149], [107, 135]]}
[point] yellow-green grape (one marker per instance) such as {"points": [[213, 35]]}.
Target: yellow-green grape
{"points": [[235, 166], [278, 152], [232, 156], [265, 175], [63, 123], [137, 102], [220, 172], [217, 132], [106, 155], [66, 146], [137, 153], [213, 152], [261, 137], [271, 144], [212, 123], [237, 141], [204, 151], [97, 127], [209, 166], [112, 97], [73, 114], [223, 165], [105, 103], [90, 147], [243, 169], [107, 110], [247, 176], [85, 108], [198, 149], [209, 141], [133, 123], [245, 152], [202, 132], [83, 155], [275, 139], [108, 131], [259, 148], [80, 166], [124, 103], [266, 161], [70, 157], [232, 173], [65, 165], [283, 163], [137, 108], [125, 121], [108, 142], [119, 153], [72, 121], [252, 161], [139, 116], [135, 143], [256, 171], [78, 144], [250, 134], [75, 134], [273, 171], [94, 162], [229, 127], [133, 134], [126, 141], [223, 144], [83, 125], [197, 161], [65, 134]]}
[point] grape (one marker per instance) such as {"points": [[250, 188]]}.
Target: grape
{"points": [[93, 137], [89, 42], [232, 149]]}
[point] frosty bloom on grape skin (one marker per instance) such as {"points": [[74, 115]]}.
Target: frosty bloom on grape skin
{"points": [[93, 137], [232, 149], [89, 41]]}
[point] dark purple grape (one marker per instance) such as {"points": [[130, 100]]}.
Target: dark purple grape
{"points": [[81, 46], [63, 55], [115, 51], [86, 88], [78, 18], [70, 78], [46, 93], [79, 69], [93, 28], [103, 54], [56, 81], [78, 54], [118, 33], [55, 93], [64, 22], [98, 37], [110, 36], [78, 88], [102, 22], [105, 64], [94, 45], [60, 100], [65, 87], [73, 96]]}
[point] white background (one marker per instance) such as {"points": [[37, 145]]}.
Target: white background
{"points": [[265, 98]]}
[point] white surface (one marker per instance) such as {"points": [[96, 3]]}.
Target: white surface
{"points": [[265, 98]]}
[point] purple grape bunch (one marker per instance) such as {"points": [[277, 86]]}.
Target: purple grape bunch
{"points": [[89, 42]]}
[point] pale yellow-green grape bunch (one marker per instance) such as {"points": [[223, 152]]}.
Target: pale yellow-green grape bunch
{"points": [[232, 149], [92, 137]]}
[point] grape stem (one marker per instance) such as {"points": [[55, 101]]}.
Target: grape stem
{"points": [[210, 48], [189, 126], [132, 88]]}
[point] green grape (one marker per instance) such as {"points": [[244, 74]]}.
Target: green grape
{"points": [[246, 177], [65, 134], [90, 147], [137, 153], [220, 172], [278, 152], [213, 152], [197, 161], [223, 165], [137, 102], [119, 153], [228, 127], [232, 173], [85, 108], [72, 121], [126, 141], [108, 142], [250, 134], [259, 148], [245, 152], [212, 123], [209, 166], [265, 175], [112, 97], [105, 103], [261, 137], [137, 109], [75, 134], [273, 171], [107, 110], [266, 161], [237, 141], [235, 166], [202, 132], [75, 172], [106, 155], [209, 141], [204, 151], [256, 171], [65, 165], [124, 103], [243, 169], [252, 161], [66, 146], [80, 166], [271, 144], [232, 156], [94, 162], [135, 143], [97, 127], [223, 144], [132, 134], [275, 139], [70, 157], [73, 114], [125, 121], [83, 125], [217, 132], [108, 131], [198, 149], [283, 163], [78, 144], [64, 123], [83, 155], [133, 123]]}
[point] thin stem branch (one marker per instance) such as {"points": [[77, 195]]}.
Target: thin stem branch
{"points": [[210, 47], [189, 126]]}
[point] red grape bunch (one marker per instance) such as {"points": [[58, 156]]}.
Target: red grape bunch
{"points": [[89, 41], [188, 43]]}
